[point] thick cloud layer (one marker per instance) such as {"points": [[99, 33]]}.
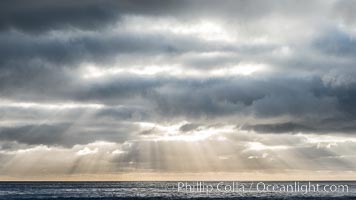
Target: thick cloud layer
{"points": [[120, 75]]}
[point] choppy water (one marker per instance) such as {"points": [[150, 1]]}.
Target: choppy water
{"points": [[177, 190]]}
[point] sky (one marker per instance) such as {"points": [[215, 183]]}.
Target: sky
{"points": [[177, 89]]}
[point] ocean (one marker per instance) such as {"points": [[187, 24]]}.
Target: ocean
{"points": [[179, 190]]}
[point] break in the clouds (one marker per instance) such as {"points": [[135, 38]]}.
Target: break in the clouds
{"points": [[118, 87]]}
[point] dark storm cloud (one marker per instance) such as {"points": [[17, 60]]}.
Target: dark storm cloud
{"points": [[125, 113], [189, 127], [264, 98], [39, 83], [278, 128], [169, 97], [67, 134], [41, 134], [340, 119], [316, 106], [94, 47], [42, 113], [70, 47], [336, 43], [39, 15], [44, 43], [322, 126], [346, 95], [196, 97]]}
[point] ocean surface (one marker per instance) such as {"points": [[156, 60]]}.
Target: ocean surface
{"points": [[178, 190]]}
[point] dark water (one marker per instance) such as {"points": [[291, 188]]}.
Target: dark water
{"points": [[178, 190]]}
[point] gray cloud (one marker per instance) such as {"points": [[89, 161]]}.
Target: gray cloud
{"points": [[307, 98], [95, 14], [94, 47], [189, 127], [278, 128], [337, 43], [67, 134], [345, 10], [150, 81], [83, 14]]}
